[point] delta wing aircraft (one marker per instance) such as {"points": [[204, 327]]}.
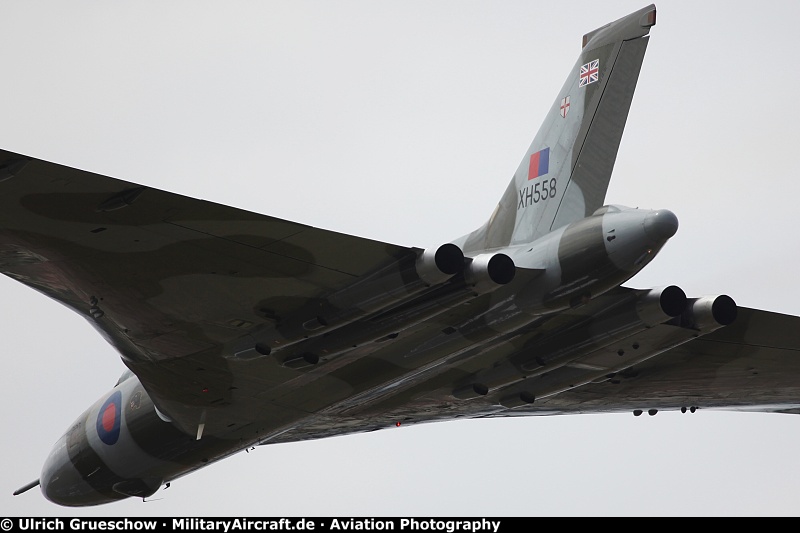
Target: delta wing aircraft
{"points": [[239, 329]]}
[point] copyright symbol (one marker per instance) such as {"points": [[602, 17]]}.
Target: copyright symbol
{"points": [[6, 524]]}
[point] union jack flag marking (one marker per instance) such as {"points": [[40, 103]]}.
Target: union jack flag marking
{"points": [[590, 73]]}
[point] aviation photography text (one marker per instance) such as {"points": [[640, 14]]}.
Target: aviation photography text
{"points": [[226, 525]]}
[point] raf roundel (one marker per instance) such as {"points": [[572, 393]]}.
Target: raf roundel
{"points": [[108, 419]]}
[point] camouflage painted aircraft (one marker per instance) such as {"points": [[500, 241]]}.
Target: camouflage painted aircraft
{"points": [[240, 329]]}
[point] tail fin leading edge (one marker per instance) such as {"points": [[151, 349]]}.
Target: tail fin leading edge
{"points": [[565, 173]]}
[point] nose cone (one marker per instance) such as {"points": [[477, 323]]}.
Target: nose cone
{"points": [[62, 484], [62, 481], [661, 224]]}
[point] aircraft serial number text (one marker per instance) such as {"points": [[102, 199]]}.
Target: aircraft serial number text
{"points": [[538, 192]]}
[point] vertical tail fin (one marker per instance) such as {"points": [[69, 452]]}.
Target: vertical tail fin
{"points": [[565, 173]]}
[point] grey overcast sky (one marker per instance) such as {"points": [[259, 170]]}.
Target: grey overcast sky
{"points": [[403, 121]]}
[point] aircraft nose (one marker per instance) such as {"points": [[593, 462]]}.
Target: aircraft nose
{"points": [[63, 483], [661, 224]]}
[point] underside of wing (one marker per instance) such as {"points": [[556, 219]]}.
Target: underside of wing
{"points": [[752, 364], [164, 276], [180, 274]]}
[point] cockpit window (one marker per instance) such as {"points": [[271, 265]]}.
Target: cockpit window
{"points": [[607, 209]]}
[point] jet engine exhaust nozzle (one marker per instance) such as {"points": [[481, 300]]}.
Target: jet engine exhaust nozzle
{"points": [[710, 313], [439, 265], [488, 272], [658, 305]]}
